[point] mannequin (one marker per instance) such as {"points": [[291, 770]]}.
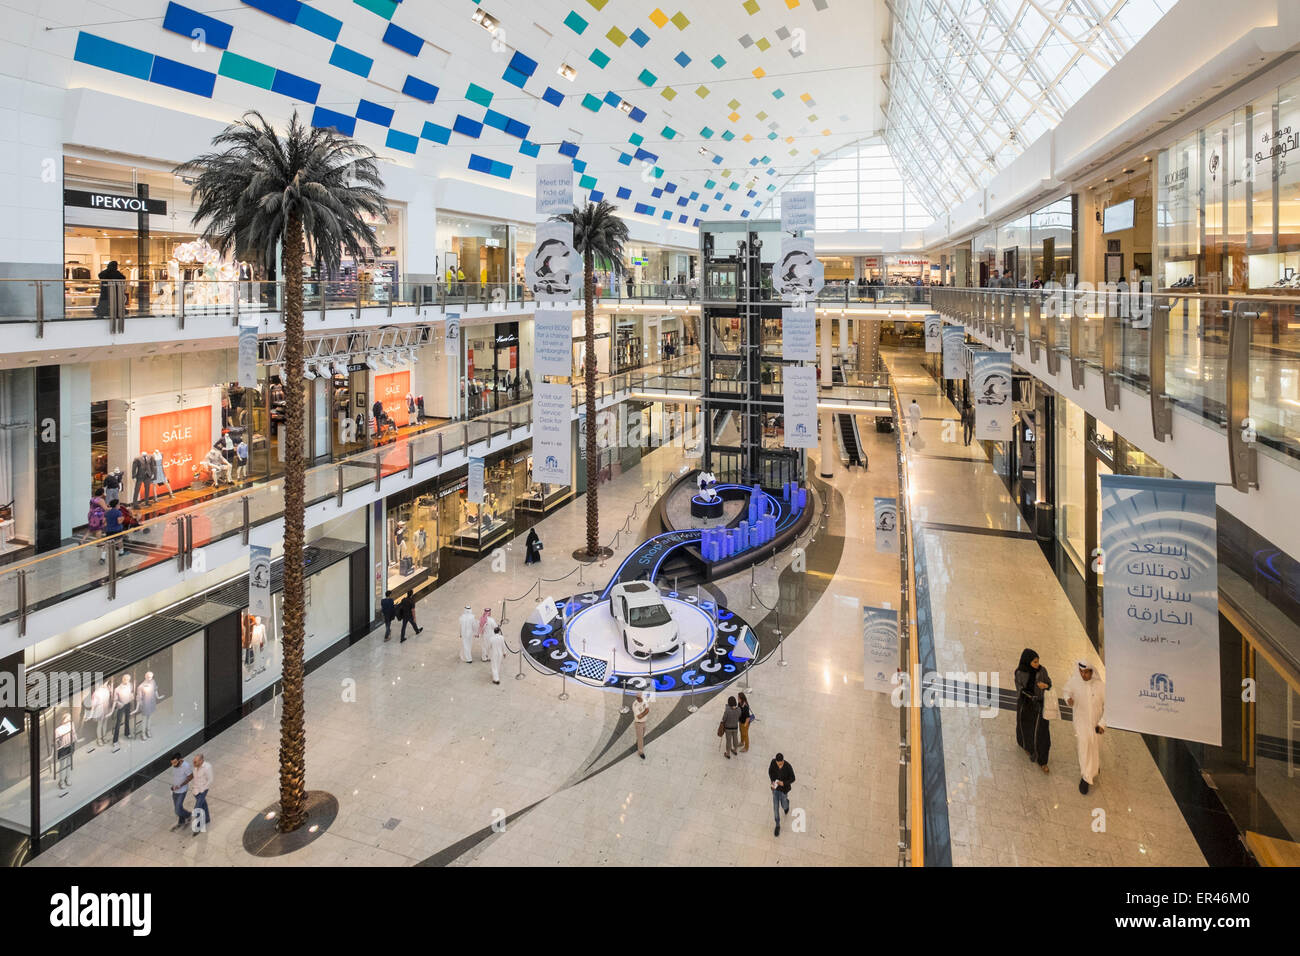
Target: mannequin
{"points": [[218, 467], [419, 407], [160, 474], [123, 701], [113, 486], [143, 474], [146, 702], [254, 647], [101, 706], [65, 742], [410, 403]]}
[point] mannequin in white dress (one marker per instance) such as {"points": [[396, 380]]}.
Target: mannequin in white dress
{"points": [[101, 708], [257, 647], [146, 702], [160, 474]]}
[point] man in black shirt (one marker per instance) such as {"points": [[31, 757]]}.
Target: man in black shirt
{"points": [[782, 776], [389, 608]]}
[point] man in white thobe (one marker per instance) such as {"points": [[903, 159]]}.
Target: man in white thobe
{"points": [[1085, 692], [486, 625], [496, 652], [914, 417], [468, 628]]}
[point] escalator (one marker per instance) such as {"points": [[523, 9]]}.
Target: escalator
{"points": [[846, 427]]}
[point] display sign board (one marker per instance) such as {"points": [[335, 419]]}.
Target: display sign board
{"points": [[991, 393], [799, 335], [391, 389], [879, 648], [552, 269], [934, 333], [797, 274], [183, 437], [954, 346], [800, 405], [248, 351], [552, 342], [554, 188], [259, 581], [1159, 541], [114, 202], [798, 210], [475, 486], [552, 433], [886, 519]]}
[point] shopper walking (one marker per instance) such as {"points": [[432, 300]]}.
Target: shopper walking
{"points": [[729, 727], [914, 418], [182, 774], [406, 610], [485, 625], [96, 518], [640, 711], [112, 285], [967, 422], [532, 547], [1032, 684], [200, 783], [1086, 694], [746, 718], [389, 608], [781, 775], [468, 628], [496, 652]]}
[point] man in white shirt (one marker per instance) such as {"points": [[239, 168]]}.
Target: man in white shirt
{"points": [[1086, 694], [468, 628], [640, 711], [486, 624], [496, 652], [914, 417], [200, 782], [182, 773]]}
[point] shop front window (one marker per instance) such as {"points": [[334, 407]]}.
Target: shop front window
{"points": [[1070, 481]]}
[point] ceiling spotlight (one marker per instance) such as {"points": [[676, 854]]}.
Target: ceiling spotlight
{"points": [[371, 361], [340, 366], [307, 373], [625, 106], [323, 369], [704, 151], [413, 355], [568, 72], [485, 20]]}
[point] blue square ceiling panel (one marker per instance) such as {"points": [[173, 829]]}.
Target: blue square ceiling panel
{"points": [[419, 89], [404, 40], [295, 87], [197, 26], [374, 113], [351, 60], [182, 76]]}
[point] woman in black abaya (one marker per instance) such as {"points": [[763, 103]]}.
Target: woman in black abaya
{"points": [[1032, 733]]}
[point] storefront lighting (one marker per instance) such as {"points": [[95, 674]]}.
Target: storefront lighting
{"points": [[568, 72], [412, 355], [323, 370], [371, 362], [307, 373], [340, 366]]}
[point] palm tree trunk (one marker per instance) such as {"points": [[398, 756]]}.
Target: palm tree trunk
{"points": [[293, 731], [593, 453]]}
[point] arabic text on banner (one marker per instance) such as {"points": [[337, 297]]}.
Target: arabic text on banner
{"points": [[991, 393], [552, 342], [1159, 542], [248, 351], [552, 433], [259, 581], [474, 489], [799, 335], [934, 333], [954, 342], [798, 210], [554, 188], [886, 518], [800, 404], [879, 648]]}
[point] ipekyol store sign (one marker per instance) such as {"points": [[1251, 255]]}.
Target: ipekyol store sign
{"points": [[113, 202]]}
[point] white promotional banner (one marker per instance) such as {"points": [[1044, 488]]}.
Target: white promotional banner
{"points": [[248, 351], [259, 580], [474, 487], [554, 188], [954, 346], [800, 399], [799, 335], [553, 270], [798, 210], [879, 648], [886, 515], [1159, 543], [934, 333], [798, 275], [552, 342], [552, 433], [991, 392], [451, 333], [451, 349]]}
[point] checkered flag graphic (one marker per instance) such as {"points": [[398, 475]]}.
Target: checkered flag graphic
{"points": [[592, 668]]}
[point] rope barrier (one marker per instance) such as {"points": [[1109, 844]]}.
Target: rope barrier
{"points": [[576, 567]]}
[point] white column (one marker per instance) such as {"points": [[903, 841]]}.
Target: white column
{"points": [[826, 465], [844, 338]]}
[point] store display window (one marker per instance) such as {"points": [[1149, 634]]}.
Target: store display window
{"points": [[413, 544], [534, 496], [476, 526]]}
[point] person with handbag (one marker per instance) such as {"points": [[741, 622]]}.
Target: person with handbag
{"points": [[746, 718], [1033, 686], [532, 547], [729, 728]]}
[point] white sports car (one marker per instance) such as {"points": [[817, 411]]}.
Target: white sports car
{"points": [[643, 619]]}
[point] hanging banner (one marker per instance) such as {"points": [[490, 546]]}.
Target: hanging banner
{"points": [[800, 398], [934, 333], [552, 433], [553, 270], [259, 581], [954, 342], [798, 210], [451, 333], [886, 512], [554, 189], [1159, 545], [248, 351], [879, 648], [991, 392], [799, 335], [552, 342], [474, 487], [798, 275]]}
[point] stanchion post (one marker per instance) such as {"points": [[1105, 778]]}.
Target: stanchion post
{"points": [[520, 675], [564, 692]]}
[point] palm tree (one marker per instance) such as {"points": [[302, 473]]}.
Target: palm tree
{"points": [[307, 192], [597, 234]]}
